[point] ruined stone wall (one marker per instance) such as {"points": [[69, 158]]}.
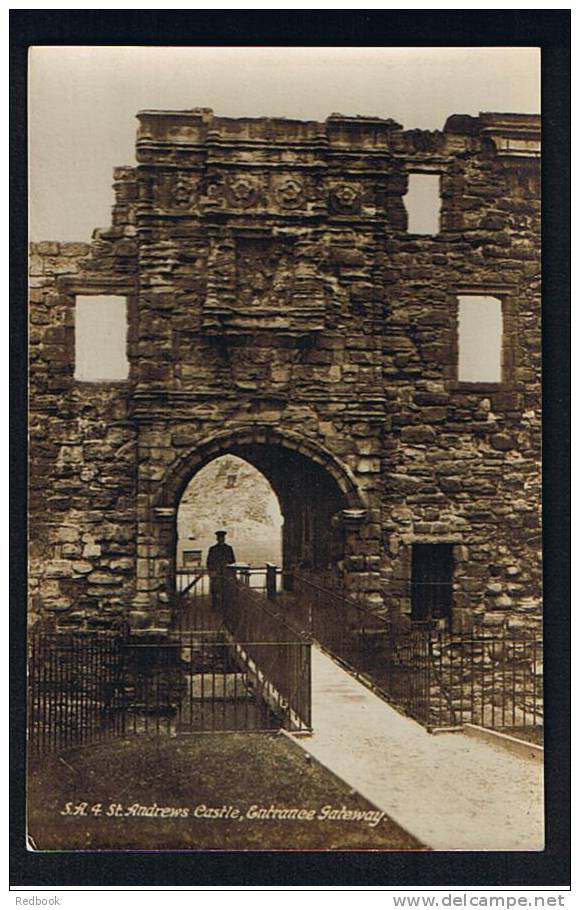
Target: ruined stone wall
{"points": [[82, 448], [462, 460], [277, 287]]}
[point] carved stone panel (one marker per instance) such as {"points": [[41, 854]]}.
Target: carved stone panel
{"points": [[177, 193], [264, 273], [289, 191], [262, 282], [242, 191]]}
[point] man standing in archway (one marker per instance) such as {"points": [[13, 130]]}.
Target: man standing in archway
{"points": [[219, 557]]}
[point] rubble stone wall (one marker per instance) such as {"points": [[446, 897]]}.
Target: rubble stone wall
{"points": [[82, 442], [274, 289]]}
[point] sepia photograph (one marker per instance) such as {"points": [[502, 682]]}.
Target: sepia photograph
{"points": [[285, 479]]}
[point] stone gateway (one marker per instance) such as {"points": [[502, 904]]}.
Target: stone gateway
{"points": [[283, 304]]}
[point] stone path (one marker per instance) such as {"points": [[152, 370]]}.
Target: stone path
{"points": [[449, 790]]}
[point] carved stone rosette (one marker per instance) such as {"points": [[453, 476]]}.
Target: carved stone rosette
{"points": [[242, 191], [178, 193], [289, 192], [345, 199]]}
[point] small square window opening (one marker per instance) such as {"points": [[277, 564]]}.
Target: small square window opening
{"points": [[480, 339], [101, 339], [423, 204]]}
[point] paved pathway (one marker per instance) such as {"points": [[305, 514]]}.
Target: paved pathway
{"points": [[451, 791]]}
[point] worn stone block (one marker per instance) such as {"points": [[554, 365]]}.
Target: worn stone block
{"points": [[418, 435]]}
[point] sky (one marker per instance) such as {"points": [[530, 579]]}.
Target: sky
{"points": [[83, 101]]}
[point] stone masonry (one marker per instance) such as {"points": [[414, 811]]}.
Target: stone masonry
{"points": [[279, 310]]}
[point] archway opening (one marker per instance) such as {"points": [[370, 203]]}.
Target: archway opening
{"points": [[259, 492], [229, 493]]}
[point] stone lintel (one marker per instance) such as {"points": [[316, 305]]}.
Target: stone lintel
{"points": [[97, 284], [485, 288], [453, 539]]}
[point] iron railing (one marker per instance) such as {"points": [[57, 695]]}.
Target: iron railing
{"points": [[285, 663], [196, 609], [493, 678], [199, 682], [73, 681], [193, 608], [248, 671]]}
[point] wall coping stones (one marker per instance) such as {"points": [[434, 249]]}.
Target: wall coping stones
{"points": [[513, 135]]}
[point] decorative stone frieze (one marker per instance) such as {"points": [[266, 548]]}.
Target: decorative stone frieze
{"points": [[289, 192]]}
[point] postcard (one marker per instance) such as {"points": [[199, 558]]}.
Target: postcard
{"points": [[285, 565]]}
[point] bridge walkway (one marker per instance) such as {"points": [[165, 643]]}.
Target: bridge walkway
{"points": [[449, 790]]}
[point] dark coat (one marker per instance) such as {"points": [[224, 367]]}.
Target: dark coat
{"points": [[219, 556]]}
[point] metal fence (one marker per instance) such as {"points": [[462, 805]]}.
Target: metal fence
{"points": [[440, 677], [202, 681], [242, 605], [285, 664], [251, 673], [73, 682], [193, 608], [494, 679], [198, 601]]}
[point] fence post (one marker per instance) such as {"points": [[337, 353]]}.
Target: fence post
{"points": [[428, 721], [243, 571], [271, 575]]}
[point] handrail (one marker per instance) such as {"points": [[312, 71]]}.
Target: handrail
{"points": [[236, 593], [284, 664], [192, 583], [439, 676]]}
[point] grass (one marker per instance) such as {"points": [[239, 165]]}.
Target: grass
{"points": [[181, 773]]}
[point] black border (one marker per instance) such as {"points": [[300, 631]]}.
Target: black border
{"points": [[549, 30]]}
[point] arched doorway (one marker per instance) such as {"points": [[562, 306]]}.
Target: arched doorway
{"points": [[232, 494], [309, 498], [318, 498]]}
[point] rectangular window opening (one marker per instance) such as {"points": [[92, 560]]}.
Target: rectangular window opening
{"points": [[480, 339], [101, 338], [423, 204], [432, 582]]}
